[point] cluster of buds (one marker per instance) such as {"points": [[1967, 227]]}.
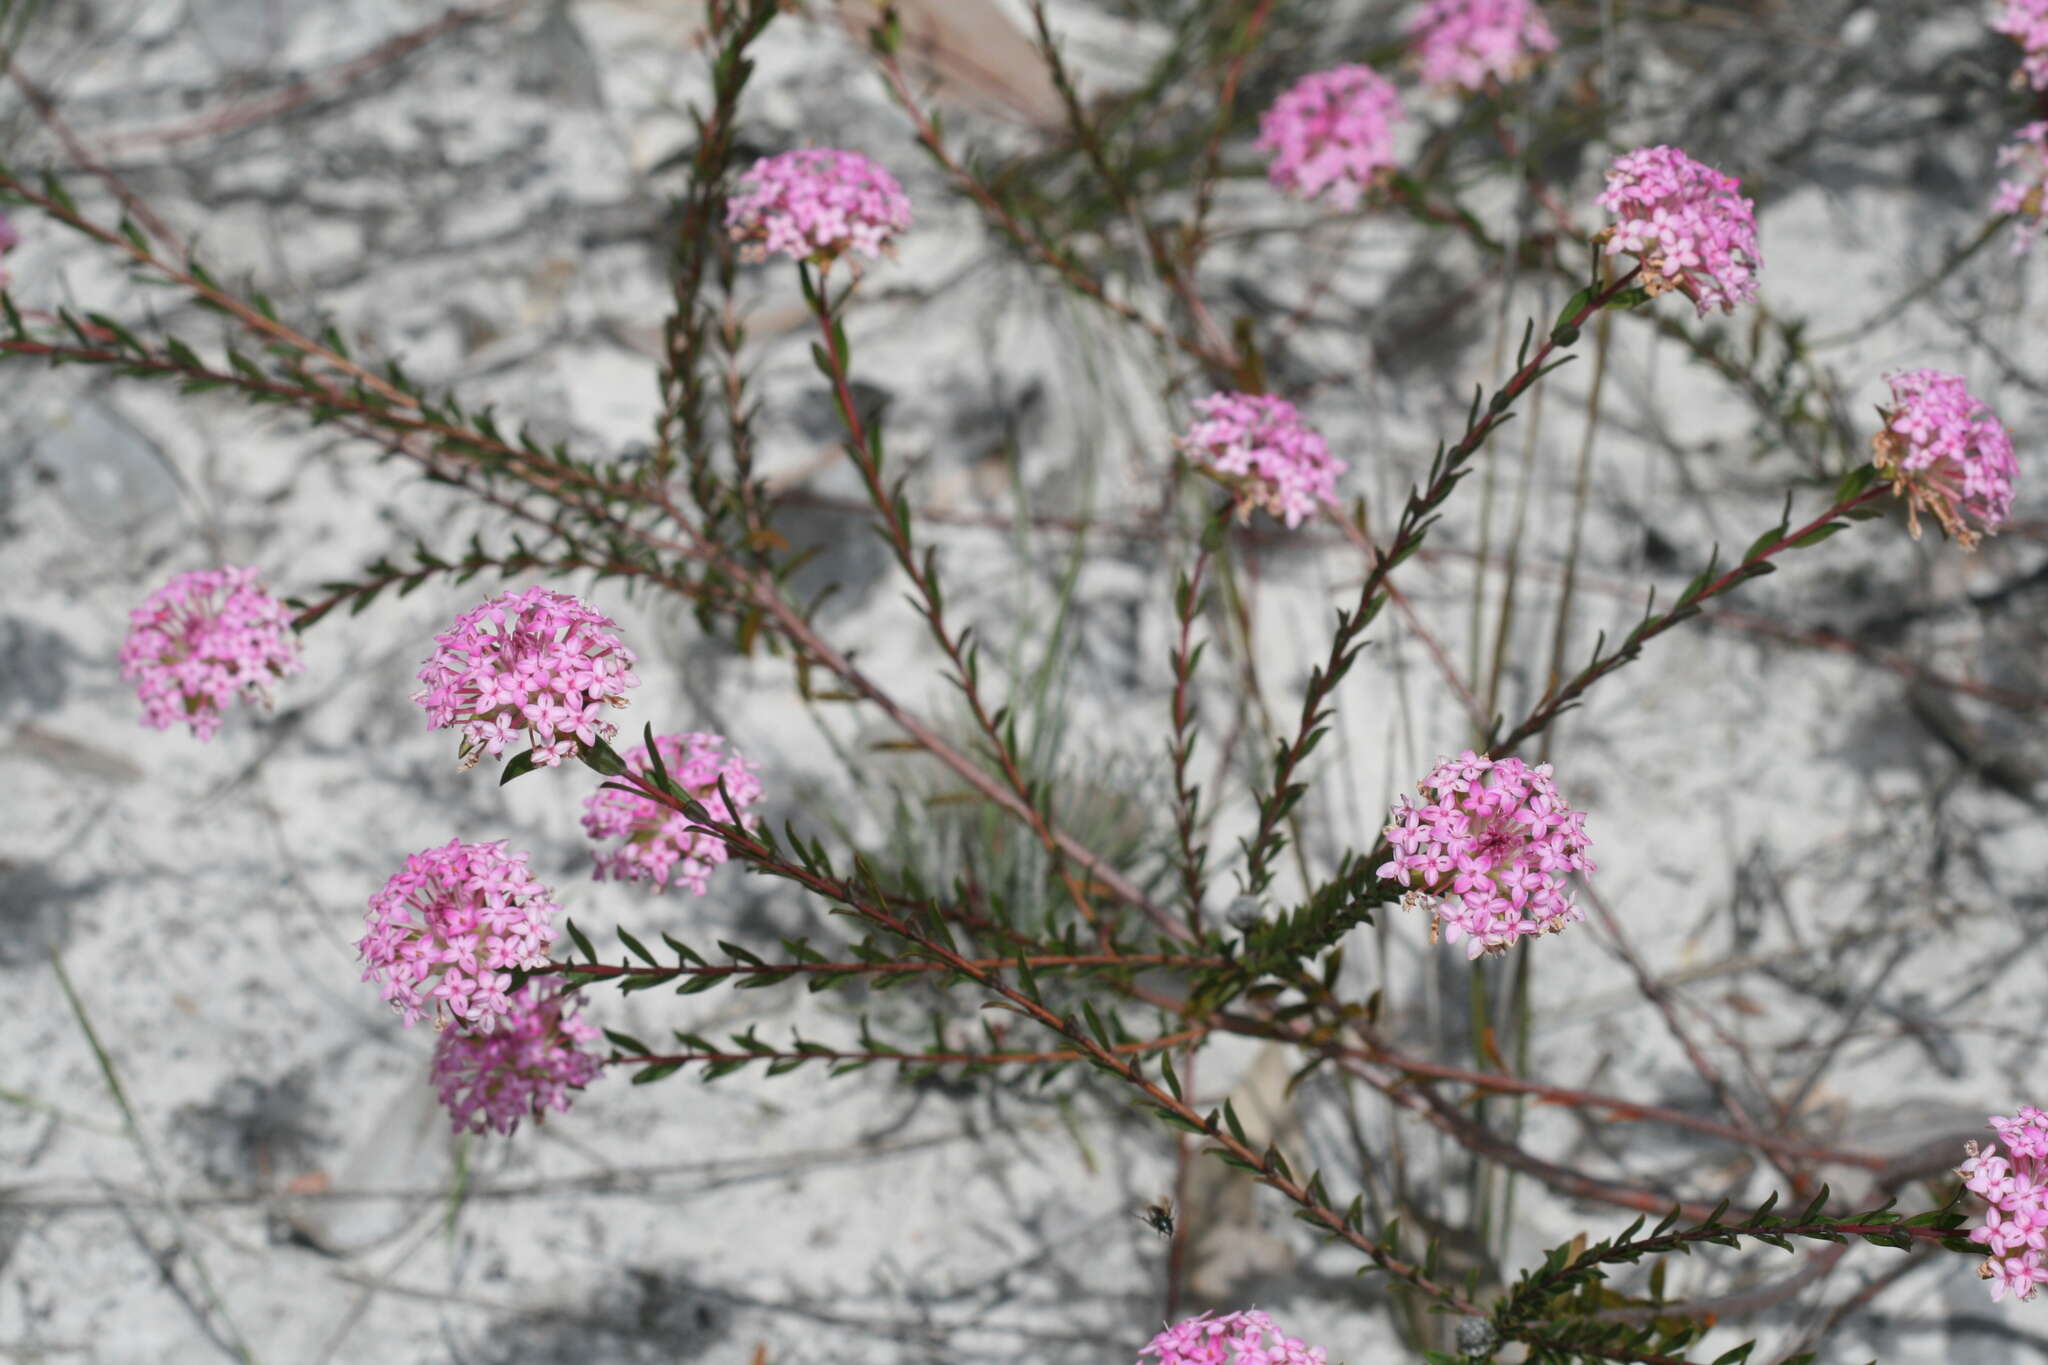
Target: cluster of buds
{"points": [[2015, 1185], [1489, 852], [1945, 454], [661, 843], [1332, 134], [1260, 447], [528, 1064], [816, 204], [538, 663], [202, 639], [449, 929], [1686, 224], [1466, 43], [1249, 1337]]}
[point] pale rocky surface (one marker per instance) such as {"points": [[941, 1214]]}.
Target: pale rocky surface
{"points": [[489, 208]]}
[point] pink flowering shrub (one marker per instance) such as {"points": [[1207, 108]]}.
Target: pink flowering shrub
{"points": [[528, 1064], [200, 640], [1331, 134], [1686, 224], [1234, 1339], [659, 841], [2022, 191], [538, 663], [815, 204], [2015, 1185], [2026, 23], [1260, 446], [447, 931], [1490, 852], [1465, 43], [1946, 454]]}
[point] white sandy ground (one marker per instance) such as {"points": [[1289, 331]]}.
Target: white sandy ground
{"points": [[489, 213]]}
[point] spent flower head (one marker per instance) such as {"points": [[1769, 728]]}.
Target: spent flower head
{"points": [[815, 204], [1260, 446], [538, 663], [1332, 134], [2015, 1187], [528, 1064], [2022, 192], [659, 841], [1687, 225], [1489, 852], [2026, 23], [1249, 1337], [1946, 454], [1468, 42], [447, 931], [201, 639]]}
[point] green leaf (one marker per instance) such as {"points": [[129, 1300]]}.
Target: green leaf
{"points": [[648, 1075], [1819, 533], [637, 950], [520, 766], [582, 943], [626, 1042], [600, 757]]}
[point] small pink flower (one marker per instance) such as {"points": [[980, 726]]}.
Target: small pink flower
{"points": [[1467, 42], [1945, 454], [2026, 23], [2023, 193], [815, 204], [1261, 447], [201, 639], [528, 1064], [1686, 224], [445, 927], [1332, 134], [541, 673], [1233, 1339], [2015, 1188], [660, 843], [1491, 853]]}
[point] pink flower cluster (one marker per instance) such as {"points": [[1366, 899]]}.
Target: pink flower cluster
{"points": [[815, 204], [527, 1065], [1261, 447], [1686, 224], [447, 931], [202, 638], [1332, 134], [1946, 454], [2026, 23], [2024, 193], [546, 670], [1490, 851], [1233, 1339], [659, 842], [1467, 42], [2015, 1185]]}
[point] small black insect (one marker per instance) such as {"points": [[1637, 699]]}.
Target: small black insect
{"points": [[1159, 1216]]}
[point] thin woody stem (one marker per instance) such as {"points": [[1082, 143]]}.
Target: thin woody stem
{"points": [[1056, 1056]]}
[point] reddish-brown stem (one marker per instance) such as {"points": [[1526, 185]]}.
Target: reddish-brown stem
{"points": [[1557, 698], [959, 655], [1414, 525], [1038, 962], [1056, 1056]]}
